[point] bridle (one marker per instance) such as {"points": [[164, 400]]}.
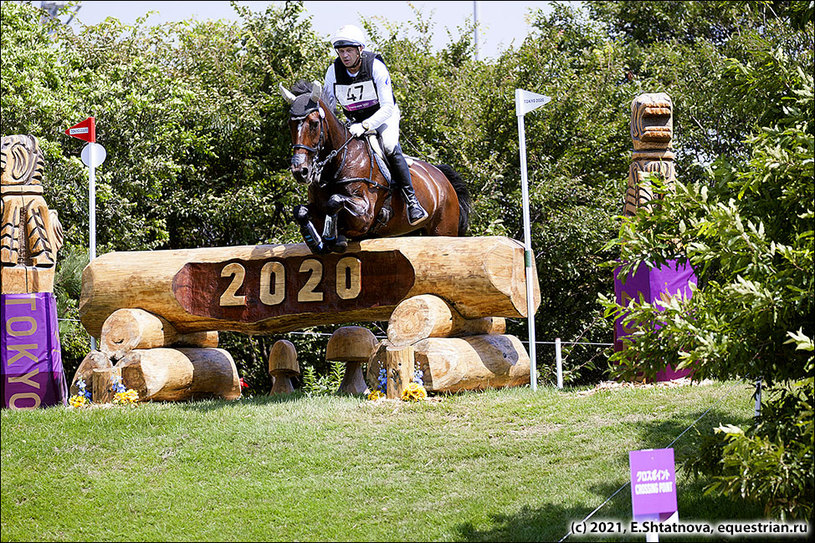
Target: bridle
{"points": [[317, 172]]}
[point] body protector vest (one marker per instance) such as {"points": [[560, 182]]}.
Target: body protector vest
{"points": [[358, 95]]}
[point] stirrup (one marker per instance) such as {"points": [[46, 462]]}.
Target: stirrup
{"points": [[416, 213]]}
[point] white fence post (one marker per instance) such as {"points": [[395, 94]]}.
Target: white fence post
{"points": [[558, 363]]}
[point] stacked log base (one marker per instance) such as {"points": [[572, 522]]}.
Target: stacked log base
{"points": [[162, 374], [128, 329], [180, 374], [472, 363], [418, 338], [456, 364], [138, 347]]}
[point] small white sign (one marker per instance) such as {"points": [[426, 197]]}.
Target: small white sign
{"points": [[526, 101], [99, 155]]}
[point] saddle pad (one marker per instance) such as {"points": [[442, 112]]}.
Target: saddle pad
{"points": [[373, 140]]}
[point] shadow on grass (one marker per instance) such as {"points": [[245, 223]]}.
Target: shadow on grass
{"points": [[213, 404], [554, 521]]}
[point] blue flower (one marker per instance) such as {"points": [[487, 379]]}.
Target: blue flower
{"points": [[383, 380], [116, 384]]}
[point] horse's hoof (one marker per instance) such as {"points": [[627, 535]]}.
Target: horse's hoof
{"points": [[316, 248], [341, 245]]}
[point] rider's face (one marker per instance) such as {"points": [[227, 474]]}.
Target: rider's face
{"points": [[348, 55]]}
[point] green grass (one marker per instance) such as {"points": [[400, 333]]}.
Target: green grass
{"points": [[508, 465]]}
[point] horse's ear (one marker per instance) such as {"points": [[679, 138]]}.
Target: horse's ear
{"points": [[316, 92], [287, 96]]}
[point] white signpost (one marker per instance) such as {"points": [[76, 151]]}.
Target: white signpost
{"points": [[525, 102], [92, 155]]}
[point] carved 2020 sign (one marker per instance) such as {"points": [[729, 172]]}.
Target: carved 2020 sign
{"points": [[254, 290]]}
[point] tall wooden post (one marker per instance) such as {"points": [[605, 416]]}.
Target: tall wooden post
{"points": [[30, 235]]}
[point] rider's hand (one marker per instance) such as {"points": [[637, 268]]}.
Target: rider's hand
{"points": [[356, 129]]}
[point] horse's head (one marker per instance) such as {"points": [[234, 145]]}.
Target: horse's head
{"points": [[308, 133]]}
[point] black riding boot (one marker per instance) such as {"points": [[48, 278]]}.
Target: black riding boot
{"points": [[401, 177]]}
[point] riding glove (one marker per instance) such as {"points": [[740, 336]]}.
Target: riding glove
{"points": [[356, 129]]}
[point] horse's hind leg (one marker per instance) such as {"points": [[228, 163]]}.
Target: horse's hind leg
{"points": [[310, 235]]}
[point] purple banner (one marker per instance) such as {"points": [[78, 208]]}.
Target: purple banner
{"points": [[654, 284], [653, 482], [32, 373]]}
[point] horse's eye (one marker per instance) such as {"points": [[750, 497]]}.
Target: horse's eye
{"points": [[314, 125]]}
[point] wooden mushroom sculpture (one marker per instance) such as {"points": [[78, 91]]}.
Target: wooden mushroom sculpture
{"points": [[352, 345], [283, 366]]}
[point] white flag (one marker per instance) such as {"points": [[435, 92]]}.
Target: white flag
{"points": [[526, 101]]}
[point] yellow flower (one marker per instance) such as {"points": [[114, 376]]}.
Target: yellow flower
{"points": [[77, 401], [130, 396], [375, 395], [414, 392]]}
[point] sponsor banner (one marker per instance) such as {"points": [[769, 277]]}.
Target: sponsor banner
{"points": [[32, 372]]}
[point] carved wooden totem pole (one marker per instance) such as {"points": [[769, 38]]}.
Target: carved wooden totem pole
{"points": [[651, 134], [30, 236]]}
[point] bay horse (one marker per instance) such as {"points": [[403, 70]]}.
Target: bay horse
{"points": [[349, 191]]}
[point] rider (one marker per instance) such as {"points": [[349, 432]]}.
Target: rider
{"points": [[361, 82]]}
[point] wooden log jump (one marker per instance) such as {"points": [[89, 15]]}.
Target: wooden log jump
{"points": [[279, 288]]}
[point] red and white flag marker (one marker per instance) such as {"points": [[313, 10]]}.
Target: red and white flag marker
{"points": [[92, 155], [86, 130]]}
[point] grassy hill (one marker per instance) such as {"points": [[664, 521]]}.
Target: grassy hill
{"points": [[508, 465]]}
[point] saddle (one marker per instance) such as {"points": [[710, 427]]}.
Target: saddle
{"points": [[375, 141]]}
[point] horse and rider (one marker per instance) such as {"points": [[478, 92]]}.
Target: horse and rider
{"points": [[353, 193]]}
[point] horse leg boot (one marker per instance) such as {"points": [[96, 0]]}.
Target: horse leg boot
{"points": [[401, 175], [310, 235], [331, 238]]}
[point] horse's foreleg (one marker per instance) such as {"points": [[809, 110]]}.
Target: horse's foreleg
{"points": [[331, 236], [310, 235]]}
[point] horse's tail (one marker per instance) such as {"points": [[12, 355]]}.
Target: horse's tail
{"points": [[463, 197]]}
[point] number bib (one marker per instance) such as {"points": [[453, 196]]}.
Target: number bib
{"points": [[356, 96]]}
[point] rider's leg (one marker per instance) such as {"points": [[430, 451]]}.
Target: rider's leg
{"points": [[400, 172]]}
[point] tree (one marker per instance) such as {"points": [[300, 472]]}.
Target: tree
{"points": [[747, 229]]}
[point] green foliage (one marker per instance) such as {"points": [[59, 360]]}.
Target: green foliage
{"points": [[770, 463], [314, 384], [747, 229], [74, 340]]}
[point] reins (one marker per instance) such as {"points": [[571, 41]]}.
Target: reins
{"points": [[320, 164]]}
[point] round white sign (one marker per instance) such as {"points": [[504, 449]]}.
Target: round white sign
{"points": [[98, 155]]}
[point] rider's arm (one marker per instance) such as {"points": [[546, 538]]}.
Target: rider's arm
{"points": [[328, 89], [384, 91]]}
